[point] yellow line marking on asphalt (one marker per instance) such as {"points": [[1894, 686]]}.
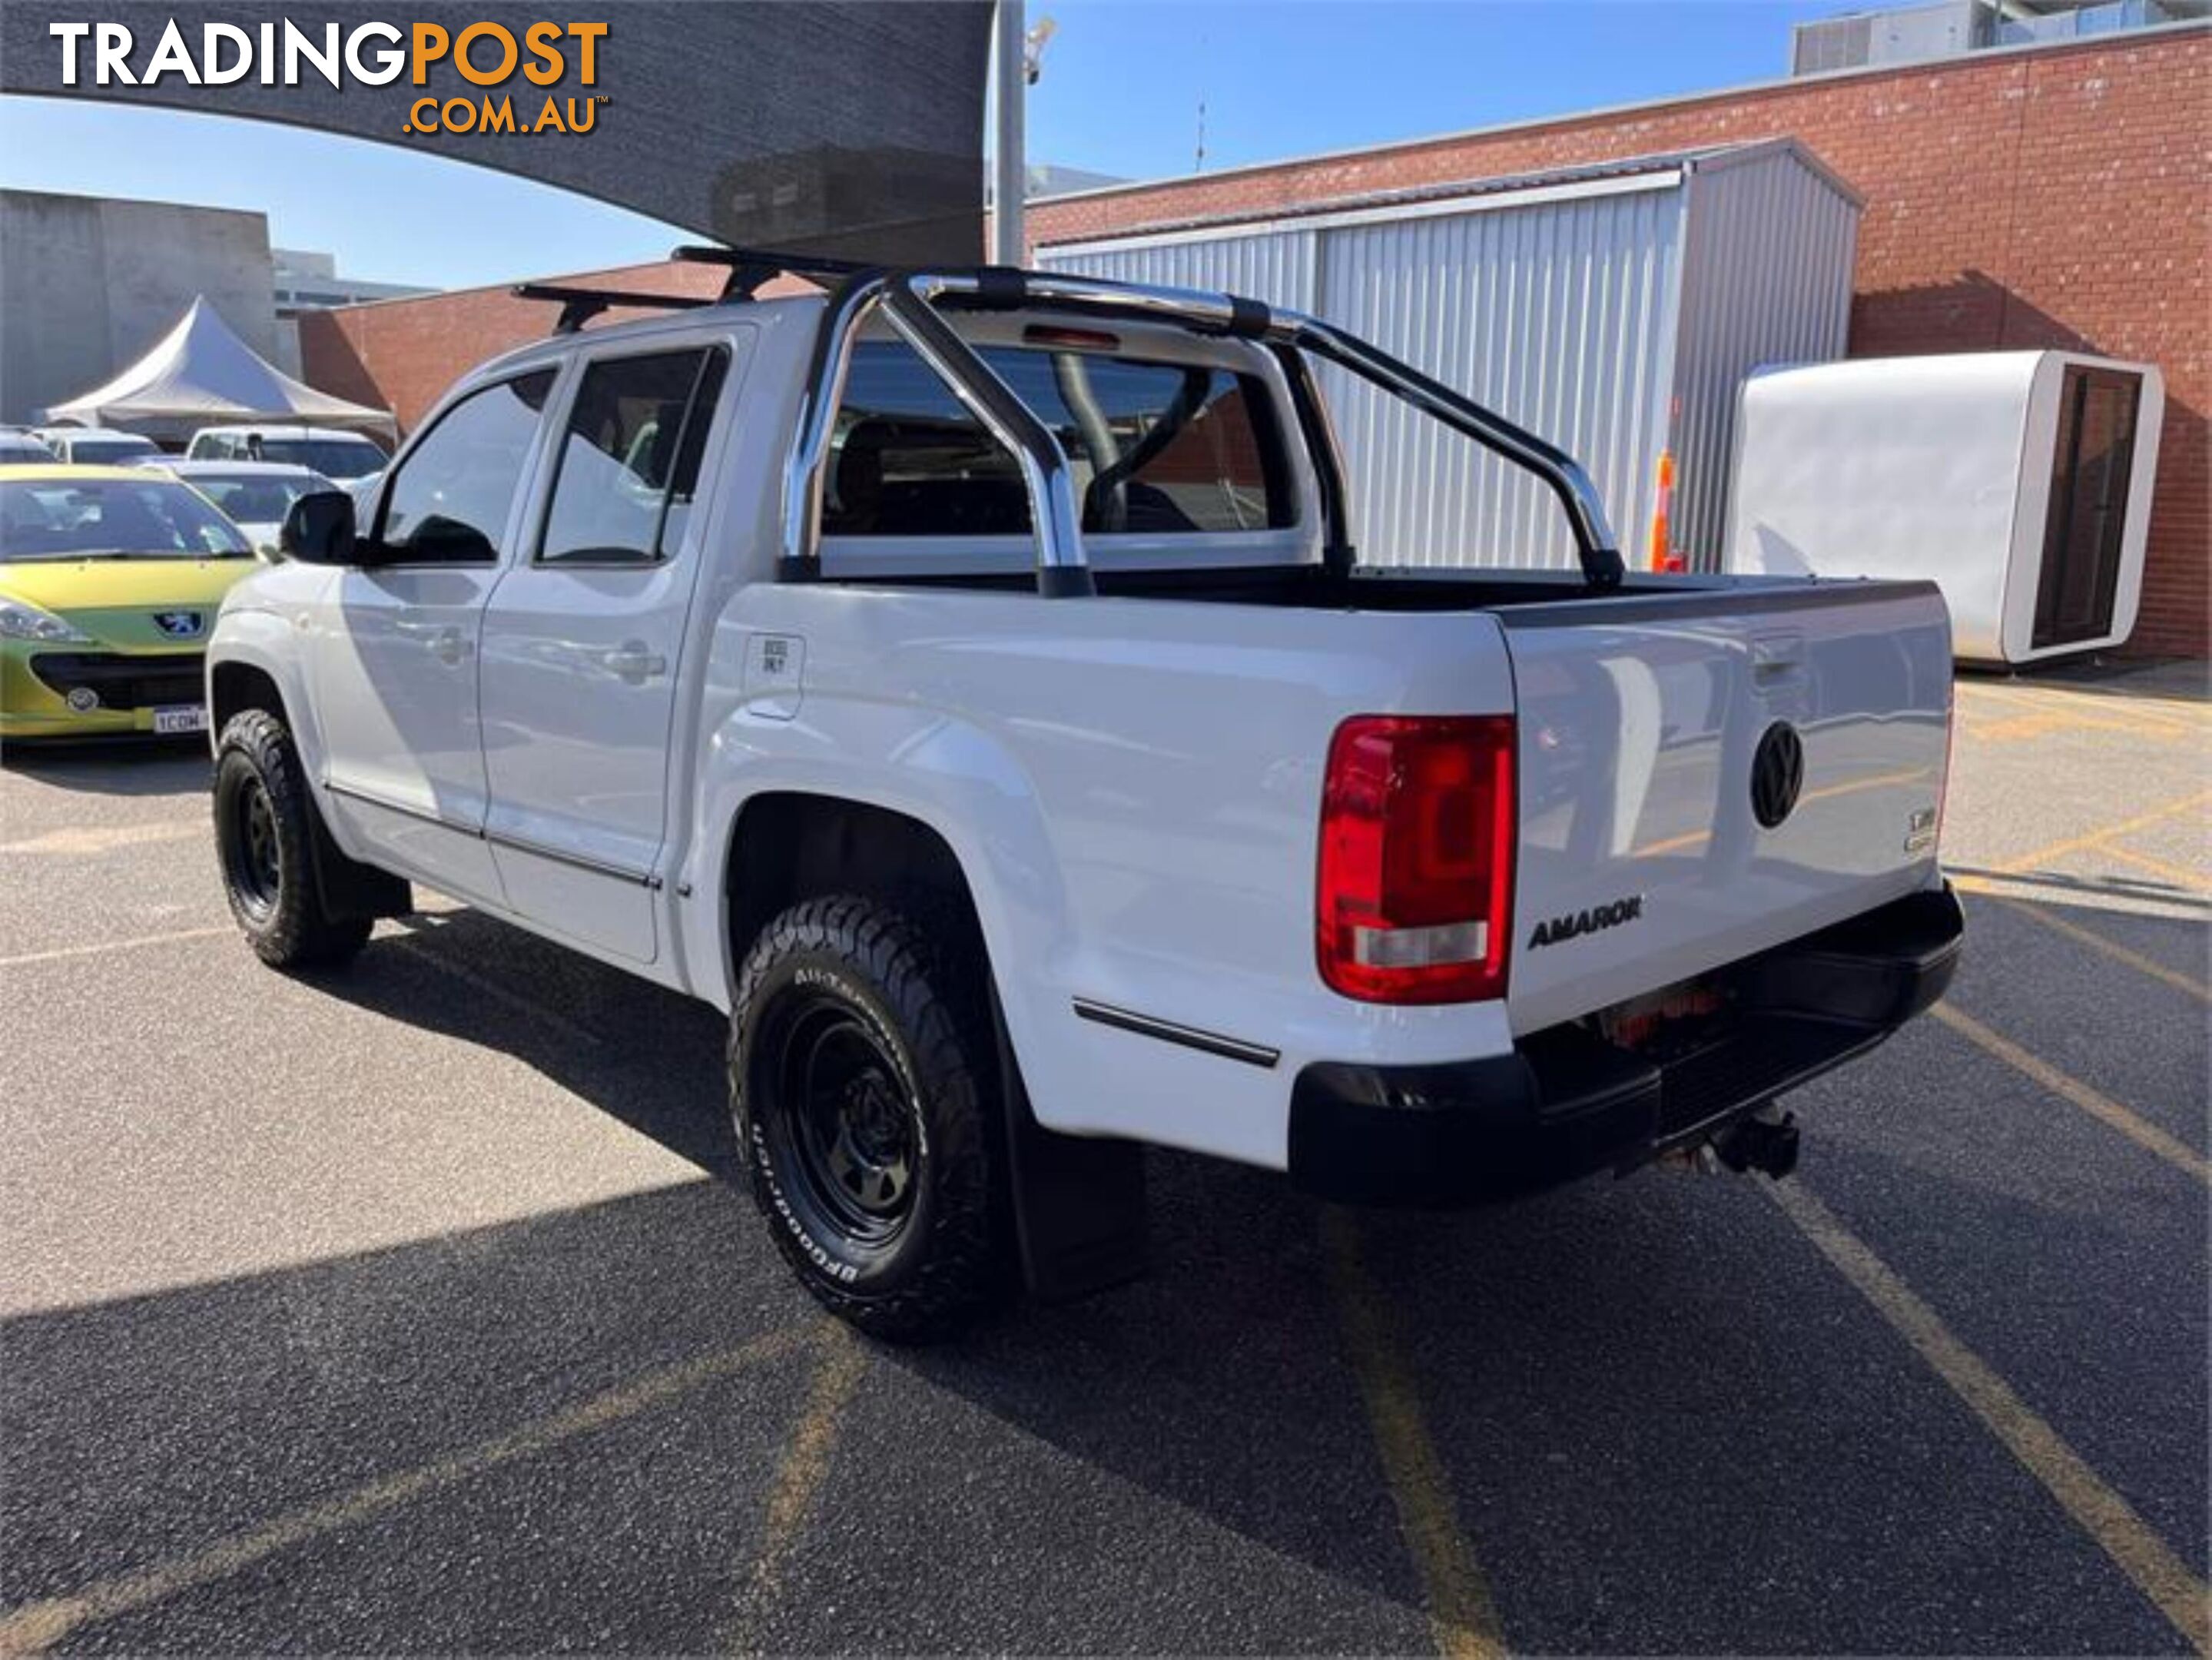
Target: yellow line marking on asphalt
{"points": [[2164, 712], [799, 1475], [1462, 1616], [2102, 1107], [87, 840], [2083, 936], [2097, 838], [2191, 882], [2018, 728], [61, 952], [39, 1625], [2101, 1513]]}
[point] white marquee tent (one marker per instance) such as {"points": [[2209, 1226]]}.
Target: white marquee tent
{"points": [[200, 374]]}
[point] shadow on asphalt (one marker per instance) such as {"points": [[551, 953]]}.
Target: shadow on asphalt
{"points": [[135, 766], [1665, 1422]]}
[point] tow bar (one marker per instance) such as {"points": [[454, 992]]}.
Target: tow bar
{"points": [[1760, 1143], [1765, 1141]]}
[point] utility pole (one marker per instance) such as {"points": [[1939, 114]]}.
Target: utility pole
{"points": [[1009, 168]]}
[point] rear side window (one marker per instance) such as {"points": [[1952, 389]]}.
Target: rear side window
{"points": [[448, 502], [629, 466], [1156, 448]]}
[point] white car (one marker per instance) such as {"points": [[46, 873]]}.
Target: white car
{"points": [[255, 496], [97, 447], [964, 681], [331, 451]]}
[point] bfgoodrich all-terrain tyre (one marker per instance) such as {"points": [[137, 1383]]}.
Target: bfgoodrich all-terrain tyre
{"points": [[265, 836], [864, 1081]]}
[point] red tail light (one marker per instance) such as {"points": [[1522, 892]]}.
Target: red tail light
{"points": [[1417, 833]]}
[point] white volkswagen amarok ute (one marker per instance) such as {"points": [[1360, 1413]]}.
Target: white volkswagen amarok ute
{"points": [[966, 680]]}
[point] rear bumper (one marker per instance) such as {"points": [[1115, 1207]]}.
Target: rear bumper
{"points": [[1566, 1103]]}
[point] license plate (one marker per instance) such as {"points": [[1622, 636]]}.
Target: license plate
{"points": [[185, 717]]}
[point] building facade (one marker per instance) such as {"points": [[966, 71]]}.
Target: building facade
{"points": [[88, 283], [2056, 195], [2052, 195]]}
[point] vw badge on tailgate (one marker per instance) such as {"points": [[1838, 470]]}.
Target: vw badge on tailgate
{"points": [[1778, 773]]}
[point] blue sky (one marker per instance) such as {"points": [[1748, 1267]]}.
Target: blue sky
{"points": [[1121, 87]]}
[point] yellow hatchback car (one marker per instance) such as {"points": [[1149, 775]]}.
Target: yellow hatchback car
{"points": [[110, 579]]}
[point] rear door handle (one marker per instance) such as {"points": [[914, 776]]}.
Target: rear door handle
{"points": [[633, 662]]}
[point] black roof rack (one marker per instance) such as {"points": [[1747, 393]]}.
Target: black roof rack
{"points": [[579, 306], [750, 267]]}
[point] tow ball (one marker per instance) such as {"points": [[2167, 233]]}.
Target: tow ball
{"points": [[1766, 1140], [1759, 1142]]}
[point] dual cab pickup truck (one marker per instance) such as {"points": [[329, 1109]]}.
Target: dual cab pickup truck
{"points": [[965, 680]]}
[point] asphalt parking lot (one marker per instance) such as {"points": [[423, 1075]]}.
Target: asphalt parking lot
{"points": [[411, 1309]]}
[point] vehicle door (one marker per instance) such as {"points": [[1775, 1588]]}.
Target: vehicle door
{"points": [[583, 640], [395, 675]]}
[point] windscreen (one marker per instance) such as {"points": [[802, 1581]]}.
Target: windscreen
{"points": [[109, 449], [111, 519], [333, 457], [255, 498], [1156, 448]]}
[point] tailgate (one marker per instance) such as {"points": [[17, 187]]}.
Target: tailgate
{"points": [[1658, 733]]}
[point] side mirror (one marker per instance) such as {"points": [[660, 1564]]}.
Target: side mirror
{"points": [[319, 530]]}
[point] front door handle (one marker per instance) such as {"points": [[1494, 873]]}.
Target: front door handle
{"points": [[634, 663]]}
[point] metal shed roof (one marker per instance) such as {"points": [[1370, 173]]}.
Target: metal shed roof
{"points": [[1589, 178]]}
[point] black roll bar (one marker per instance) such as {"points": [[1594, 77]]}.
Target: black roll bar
{"points": [[912, 301]]}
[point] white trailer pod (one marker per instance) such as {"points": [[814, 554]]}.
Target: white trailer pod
{"points": [[2021, 482]]}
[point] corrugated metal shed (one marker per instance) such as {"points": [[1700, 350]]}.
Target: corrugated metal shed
{"points": [[1614, 309]]}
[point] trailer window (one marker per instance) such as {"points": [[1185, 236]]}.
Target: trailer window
{"points": [[1156, 448]]}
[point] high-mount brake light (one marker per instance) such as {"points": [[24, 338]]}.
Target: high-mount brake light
{"points": [[1414, 899]]}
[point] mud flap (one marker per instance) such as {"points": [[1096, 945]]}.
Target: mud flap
{"points": [[1079, 1209], [349, 888]]}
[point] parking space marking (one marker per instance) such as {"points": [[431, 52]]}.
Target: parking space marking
{"points": [[2150, 712], [1462, 1616], [2081, 936], [514, 1001], [2191, 882], [62, 953], [2102, 1107], [2107, 1518], [799, 1475], [39, 1625], [83, 841], [2097, 838]]}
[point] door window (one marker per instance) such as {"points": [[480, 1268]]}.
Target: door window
{"points": [[2091, 470], [630, 460], [448, 503]]}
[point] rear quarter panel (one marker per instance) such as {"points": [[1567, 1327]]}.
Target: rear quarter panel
{"points": [[1132, 788]]}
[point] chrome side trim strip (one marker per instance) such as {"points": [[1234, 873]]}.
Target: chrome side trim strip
{"points": [[650, 880], [575, 860], [405, 811], [1190, 1038]]}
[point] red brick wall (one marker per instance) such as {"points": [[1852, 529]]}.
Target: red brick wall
{"points": [[2060, 197], [402, 354]]}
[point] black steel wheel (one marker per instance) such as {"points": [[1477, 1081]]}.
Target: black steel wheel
{"points": [[256, 862], [853, 1125], [863, 1080], [265, 836]]}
